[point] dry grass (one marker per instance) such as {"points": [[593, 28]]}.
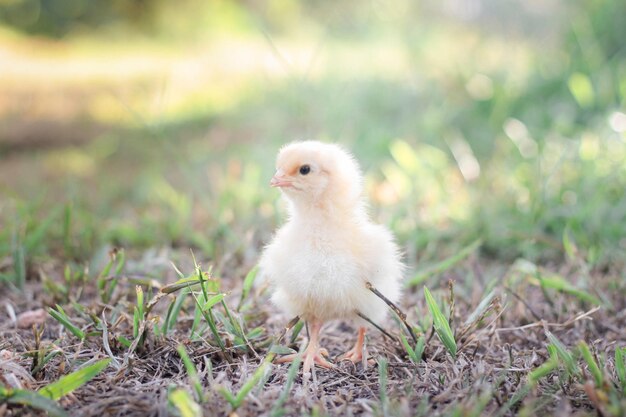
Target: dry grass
{"points": [[492, 369]]}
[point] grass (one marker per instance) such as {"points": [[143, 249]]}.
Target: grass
{"points": [[499, 167], [440, 324]]}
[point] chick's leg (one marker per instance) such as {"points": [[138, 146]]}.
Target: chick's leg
{"points": [[313, 353], [355, 354]]}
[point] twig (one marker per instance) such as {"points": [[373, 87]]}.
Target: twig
{"points": [[105, 342], [451, 288], [133, 346], [367, 319], [288, 327], [532, 311], [394, 307], [542, 323]]}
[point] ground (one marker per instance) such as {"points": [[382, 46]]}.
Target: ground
{"points": [[497, 354]]}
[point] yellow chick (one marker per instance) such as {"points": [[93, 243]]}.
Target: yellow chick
{"points": [[319, 261]]}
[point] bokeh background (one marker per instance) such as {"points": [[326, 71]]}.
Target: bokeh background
{"points": [[151, 124]]}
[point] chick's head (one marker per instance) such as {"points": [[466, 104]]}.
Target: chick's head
{"points": [[315, 173]]}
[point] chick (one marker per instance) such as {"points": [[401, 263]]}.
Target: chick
{"points": [[319, 261]]}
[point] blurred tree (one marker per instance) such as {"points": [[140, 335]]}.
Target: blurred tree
{"points": [[56, 18]]}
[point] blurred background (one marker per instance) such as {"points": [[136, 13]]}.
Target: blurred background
{"points": [[150, 124]]}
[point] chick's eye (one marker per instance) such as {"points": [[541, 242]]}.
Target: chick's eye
{"points": [[305, 169]]}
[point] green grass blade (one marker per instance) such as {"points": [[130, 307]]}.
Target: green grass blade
{"points": [[180, 274], [180, 284], [563, 354], [620, 367], [44, 361], [591, 363], [228, 396], [558, 283], [62, 318], [175, 311], [124, 341], [36, 400], [70, 382], [234, 324], [102, 277], [212, 301], [112, 283], [136, 322], [121, 260], [247, 285], [481, 308], [277, 410], [518, 396], [281, 350], [200, 277], [138, 313], [568, 244], [19, 265], [296, 331], [192, 372], [140, 300], [36, 236], [409, 350], [441, 324], [67, 229], [544, 370], [446, 264], [415, 354], [382, 383], [251, 383], [182, 401], [208, 316], [106, 271], [419, 347]]}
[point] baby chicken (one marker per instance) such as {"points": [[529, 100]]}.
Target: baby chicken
{"points": [[318, 263]]}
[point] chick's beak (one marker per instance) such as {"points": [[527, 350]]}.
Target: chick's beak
{"points": [[280, 180]]}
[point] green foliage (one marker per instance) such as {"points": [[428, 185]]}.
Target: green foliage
{"points": [[106, 281], [442, 327], [183, 403], [192, 372], [415, 354], [481, 309], [237, 400], [563, 353], [445, 264], [559, 283], [542, 371], [55, 19], [592, 365], [294, 368], [213, 301], [32, 399], [382, 385], [60, 316], [620, 367], [70, 382], [247, 285]]}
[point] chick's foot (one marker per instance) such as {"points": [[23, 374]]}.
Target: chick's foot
{"points": [[355, 355], [309, 357], [313, 353]]}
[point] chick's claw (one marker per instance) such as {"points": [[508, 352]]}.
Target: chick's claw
{"points": [[315, 357], [309, 357], [353, 355]]}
